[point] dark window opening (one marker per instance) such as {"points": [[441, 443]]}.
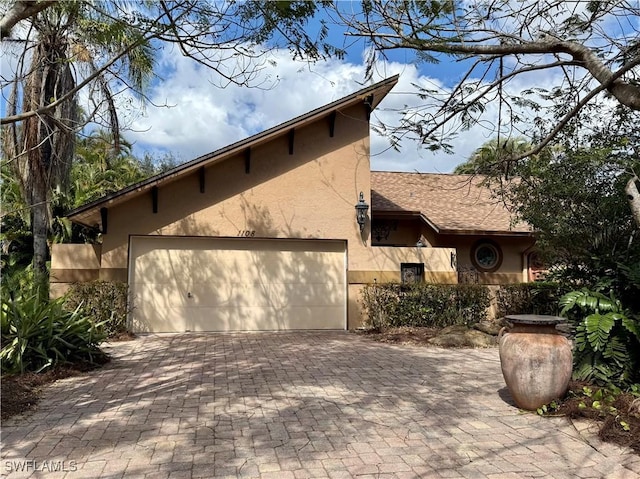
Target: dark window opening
{"points": [[411, 273]]}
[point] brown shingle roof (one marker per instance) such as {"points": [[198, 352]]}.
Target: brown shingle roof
{"points": [[451, 203]]}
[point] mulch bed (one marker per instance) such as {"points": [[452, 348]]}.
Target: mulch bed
{"points": [[610, 429], [21, 392], [402, 335]]}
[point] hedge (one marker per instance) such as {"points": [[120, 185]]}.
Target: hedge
{"points": [[105, 302], [529, 298], [424, 304]]}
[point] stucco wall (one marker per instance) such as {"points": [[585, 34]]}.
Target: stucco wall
{"points": [[512, 270], [403, 232], [310, 194], [382, 265], [72, 263]]}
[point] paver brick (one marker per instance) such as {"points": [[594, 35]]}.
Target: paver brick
{"points": [[299, 405]]}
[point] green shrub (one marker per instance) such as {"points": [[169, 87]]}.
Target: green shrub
{"points": [[529, 298], [38, 334], [423, 304], [378, 302], [105, 302], [607, 339]]}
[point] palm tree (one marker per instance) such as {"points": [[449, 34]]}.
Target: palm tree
{"points": [[495, 158], [68, 46], [99, 168], [63, 46]]}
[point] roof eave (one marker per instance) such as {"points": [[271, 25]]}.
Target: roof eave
{"points": [[487, 232], [449, 231], [91, 209]]}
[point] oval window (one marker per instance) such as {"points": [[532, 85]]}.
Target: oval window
{"points": [[486, 256]]}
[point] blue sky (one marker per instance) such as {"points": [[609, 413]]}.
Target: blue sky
{"points": [[187, 115], [199, 117]]}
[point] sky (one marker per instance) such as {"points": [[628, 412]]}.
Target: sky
{"points": [[193, 116], [187, 114]]}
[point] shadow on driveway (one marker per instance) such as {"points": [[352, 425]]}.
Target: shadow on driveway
{"points": [[312, 404]]}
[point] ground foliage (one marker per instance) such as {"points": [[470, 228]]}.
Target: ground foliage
{"points": [[616, 412], [606, 339], [39, 334]]}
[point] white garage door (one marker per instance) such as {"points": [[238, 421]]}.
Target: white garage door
{"points": [[206, 284]]}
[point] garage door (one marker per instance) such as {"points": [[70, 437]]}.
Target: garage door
{"points": [[206, 284]]}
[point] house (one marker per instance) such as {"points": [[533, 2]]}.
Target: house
{"points": [[272, 232], [454, 211]]}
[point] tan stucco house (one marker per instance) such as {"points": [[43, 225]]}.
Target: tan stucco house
{"points": [[263, 234], [453, 211]]}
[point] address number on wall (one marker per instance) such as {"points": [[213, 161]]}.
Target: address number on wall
{"points": [[246, 233]]}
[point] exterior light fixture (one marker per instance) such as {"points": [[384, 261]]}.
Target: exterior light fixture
{"points": [[361, 212]]}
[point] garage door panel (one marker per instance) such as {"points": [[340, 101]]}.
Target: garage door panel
{"points": [[230, 295], [319, 294], [147, 318], [237, 319], [198, 284], [323, 317], [159, 294], [266, 319], [316, 265]]}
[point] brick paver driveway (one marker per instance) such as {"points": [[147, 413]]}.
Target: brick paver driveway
{"points": [[293, 405]]}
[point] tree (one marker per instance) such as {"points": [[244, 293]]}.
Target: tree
{"points": [[592, 46], [495, 158], [571, 193], [99, 168], [106, 48], [63, 43]]}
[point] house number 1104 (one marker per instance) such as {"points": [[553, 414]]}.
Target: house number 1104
{"points": [[247, 233]]}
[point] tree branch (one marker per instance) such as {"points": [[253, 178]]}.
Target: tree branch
{"points": [[96, 73], [21, 10], [626, 93], [490, 88]]}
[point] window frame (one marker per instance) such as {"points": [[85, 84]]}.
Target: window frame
{"points": [[484, 243]]}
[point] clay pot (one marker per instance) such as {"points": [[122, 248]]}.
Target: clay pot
{"points": [[536, 360]]}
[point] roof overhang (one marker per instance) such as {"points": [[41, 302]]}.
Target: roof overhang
{"points": [[91, 214], [405, 214]]}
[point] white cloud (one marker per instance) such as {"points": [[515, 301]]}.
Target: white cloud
{"points": [[202, 117], [199, 117]]}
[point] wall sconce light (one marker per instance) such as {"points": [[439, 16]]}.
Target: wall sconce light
{"points": [[361, 212]]}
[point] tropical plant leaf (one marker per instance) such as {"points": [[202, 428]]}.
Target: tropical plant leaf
{"points": [[598, 329], [39, 333], [632, 326]]}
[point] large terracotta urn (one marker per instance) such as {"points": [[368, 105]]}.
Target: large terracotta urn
{"points": [[536, 360]]}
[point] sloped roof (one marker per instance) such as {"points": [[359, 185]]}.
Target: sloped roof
{"points": [[89, 214], [452, 204]]}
